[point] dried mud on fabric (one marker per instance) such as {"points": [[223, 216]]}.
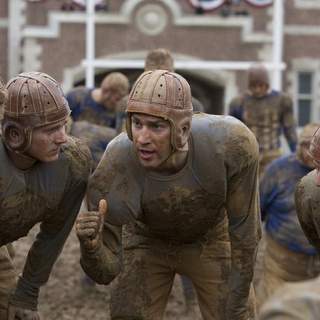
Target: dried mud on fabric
{"points": [[63, 298]]}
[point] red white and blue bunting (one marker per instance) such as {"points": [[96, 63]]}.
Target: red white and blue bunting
{"points": [[260, 3], [207, 5], [82, 3]]}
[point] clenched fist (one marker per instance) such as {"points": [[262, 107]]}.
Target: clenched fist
{"points": [[89, 227], [16, 313]]}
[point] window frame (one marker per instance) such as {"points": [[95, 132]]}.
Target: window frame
{"points": [[305, 96]]}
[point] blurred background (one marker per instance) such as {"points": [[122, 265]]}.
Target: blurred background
{"points": [[213, 43]]}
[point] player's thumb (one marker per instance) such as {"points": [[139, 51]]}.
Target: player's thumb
{"points": [[103, 206]]}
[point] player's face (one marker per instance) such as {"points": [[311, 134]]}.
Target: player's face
{"points": [[47, 140], [151, 138], [259, 90], [109, 98]]}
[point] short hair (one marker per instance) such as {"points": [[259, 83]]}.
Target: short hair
{"points": [[159, 59], [258, 73], [117, 82], [308, 132]]}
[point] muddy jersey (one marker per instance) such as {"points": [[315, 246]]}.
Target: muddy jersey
{"points": [[218, 182], [267, 117], [307, 199], [298, 301], [96, 137], [169, 204], [49, 193]]}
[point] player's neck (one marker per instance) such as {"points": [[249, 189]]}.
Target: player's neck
{"points": [[175, 162]]}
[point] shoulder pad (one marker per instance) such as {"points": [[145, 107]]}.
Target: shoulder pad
{"points": [[227, 135], [308, 187], [78, 155], [220, 127], [119, 146]]}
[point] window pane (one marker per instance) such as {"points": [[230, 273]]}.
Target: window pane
{"points": [[304, 112], [305, 82]]}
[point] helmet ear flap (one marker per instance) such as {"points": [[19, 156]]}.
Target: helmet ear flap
{"points": [[180, 131], [128, 126], [16, 137]]}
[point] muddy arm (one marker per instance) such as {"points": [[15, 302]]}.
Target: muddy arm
{"points": [[244, 221], [46, 249], [104, 264]]}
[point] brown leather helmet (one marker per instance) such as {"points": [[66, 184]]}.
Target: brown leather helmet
{"points": [[314, 149], [34, 100], [314, 153], [258, 74], [163, 94]]}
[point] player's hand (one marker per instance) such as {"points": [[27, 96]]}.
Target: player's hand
{"points": [[17, 313], [89, 227]]}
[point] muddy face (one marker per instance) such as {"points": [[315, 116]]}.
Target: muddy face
{"points": [[151, 139], [46, 142]]}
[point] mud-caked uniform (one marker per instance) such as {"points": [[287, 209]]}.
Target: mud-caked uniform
{"points": [[95, 136], [298, 301], [159, 225], [289, 255], [307, 199], [49, 193], [267, 117]]}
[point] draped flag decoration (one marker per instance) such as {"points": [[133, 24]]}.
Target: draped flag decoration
{"points": [[207, 4], [82, 3], [260, 3]]}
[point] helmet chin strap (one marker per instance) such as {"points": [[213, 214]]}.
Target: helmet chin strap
{"points": [[25, 156], [21, 160]]}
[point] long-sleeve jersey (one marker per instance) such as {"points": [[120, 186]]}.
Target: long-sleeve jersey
{"points": [[267, 117], [219, 181], [278, 209], [49, 193], [307, 199]]}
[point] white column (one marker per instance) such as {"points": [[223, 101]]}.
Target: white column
{"points": [[90, 43], [16, 21], [277, 50]]}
